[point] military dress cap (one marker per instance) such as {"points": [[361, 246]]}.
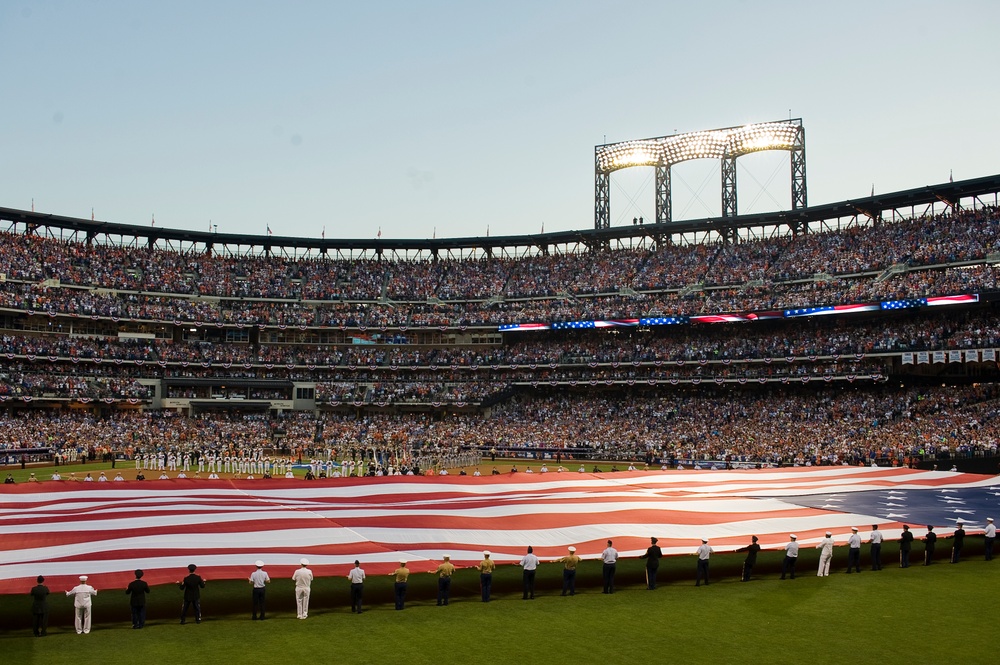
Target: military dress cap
{"points": [[793, 536], [572, 549], [83, 578], [486, 552], [304, 562], [258, 563]]}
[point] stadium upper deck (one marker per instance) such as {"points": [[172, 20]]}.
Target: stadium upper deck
{"points": [[965, 236], [143, 321]]}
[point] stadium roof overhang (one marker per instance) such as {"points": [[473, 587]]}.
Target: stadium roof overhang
{"points": [[871, 206]]}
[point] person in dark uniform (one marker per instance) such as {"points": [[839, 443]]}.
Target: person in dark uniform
{"points": [[192, 586], [989, 538], [39, 608], [259, 579], [704, 553], [791, 556], [956, 547], [930, 540], [652, 556], [609, 558], [751, 559], [876, 547], [137, 590], [357, 579], [444, 573], [854, 551], [905, 544], [529, 563]]}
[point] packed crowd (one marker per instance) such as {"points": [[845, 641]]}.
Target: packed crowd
{"points": [[920, 241], [62, 366], [778, 426], [408, 390], [815, 336], [20, 384], [829, 427], [708, 300], [550, 287]]}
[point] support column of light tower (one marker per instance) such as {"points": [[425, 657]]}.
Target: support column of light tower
{"points": [[729, 207], [750, 138], [602, 199], [798, 151], [663, 207]]}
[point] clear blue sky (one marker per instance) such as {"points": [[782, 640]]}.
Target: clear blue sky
{"points": [[455, 117]]}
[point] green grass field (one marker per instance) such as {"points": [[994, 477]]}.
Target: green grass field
{"points": [[922, 615], [44, 471]]}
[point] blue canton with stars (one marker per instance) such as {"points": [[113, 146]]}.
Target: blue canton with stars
{"points": [[939, 507]]}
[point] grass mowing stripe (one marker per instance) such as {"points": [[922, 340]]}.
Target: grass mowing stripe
{"points": [[918, 614]]}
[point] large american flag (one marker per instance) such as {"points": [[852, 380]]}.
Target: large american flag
{"points": [[105, 530]]}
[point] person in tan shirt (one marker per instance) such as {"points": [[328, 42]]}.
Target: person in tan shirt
{"points": [[485, 568], [444, 573], [569, 562], [401, 575]]}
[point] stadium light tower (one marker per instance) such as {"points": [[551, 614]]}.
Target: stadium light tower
{"points": [[726, 144]]}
